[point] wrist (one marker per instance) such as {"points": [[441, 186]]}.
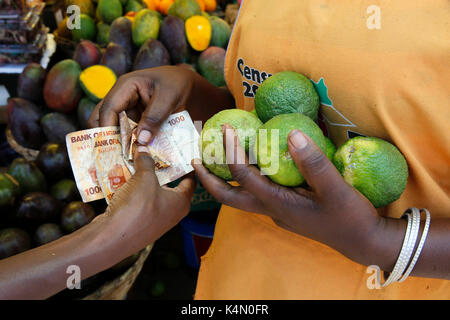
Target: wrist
{"points": [[385, 242]]}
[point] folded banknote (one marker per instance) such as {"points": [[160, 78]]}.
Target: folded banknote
{"points": [[102, 158]]}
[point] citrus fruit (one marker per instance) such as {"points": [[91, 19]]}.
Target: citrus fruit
{"points": [[286, 92], [374, 167], [331, 149], [213, 153], [271, 147]]}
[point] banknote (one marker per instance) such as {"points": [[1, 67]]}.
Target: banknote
{"points": [[102, 158], [80, 148]]}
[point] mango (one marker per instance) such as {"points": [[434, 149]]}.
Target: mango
{"points": [[84, 111], [56, 125], [211, 65], [185, 9], [172, 34], [62, 91], [31, 82], [28, 175], [103, 34], [109, 10], [36, 208], [46, 233], [117, 59], [87, 53], [120, 33], [65, 190], [9, 190], [86, 6], [87, 30], [145, 26], [24, 120], [221, 32], [53, 161], [151, 54], [198, 32], [96, 81], [13, 241], [133, 6]]}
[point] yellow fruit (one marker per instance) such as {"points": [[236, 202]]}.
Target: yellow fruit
{"points": [[198, 32]]}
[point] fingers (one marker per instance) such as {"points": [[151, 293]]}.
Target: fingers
{"points": [[187, 186], [248, 176], [223, 192], [128, 91], [156, 112], [317, 169], [144, 163]]}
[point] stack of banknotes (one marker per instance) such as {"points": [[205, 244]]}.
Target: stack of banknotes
{"points": [[102, 158]]}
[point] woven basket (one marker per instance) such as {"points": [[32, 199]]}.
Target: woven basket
{"points": [[29, 154], [118, 288]]}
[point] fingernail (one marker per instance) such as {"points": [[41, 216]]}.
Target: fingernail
{"points": [[196, 161], [226, 126], [144, 137], [142, 149], [297, 139]]}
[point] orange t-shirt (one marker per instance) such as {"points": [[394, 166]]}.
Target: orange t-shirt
{"points": [[380, 71]]}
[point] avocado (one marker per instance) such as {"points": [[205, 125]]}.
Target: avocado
{"points": [[84, 111], [65, 190], [28, 175], [173, 36], [117, 59], [75, 215], [9, 190], [24, 121], [120, 33], [151, 54], [31, 83], [46, 233], [53, 161], [36, 208], [56, 126], [13, 241]]}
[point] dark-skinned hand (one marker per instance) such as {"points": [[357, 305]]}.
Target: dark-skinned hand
{"points": [[329, 211]]}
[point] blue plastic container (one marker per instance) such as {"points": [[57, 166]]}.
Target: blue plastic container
{"points": [[197, 237]]}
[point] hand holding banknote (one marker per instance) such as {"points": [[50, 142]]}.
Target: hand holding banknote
{"points": [[141, 201]]}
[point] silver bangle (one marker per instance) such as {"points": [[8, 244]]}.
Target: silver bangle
{"points": [[420, 246], [412, 231]]}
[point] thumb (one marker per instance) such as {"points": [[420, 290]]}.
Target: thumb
{"points": [[317, 169], [144, 164]]}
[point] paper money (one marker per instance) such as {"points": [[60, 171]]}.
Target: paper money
{"points": [[102, 158], [80, 147]]}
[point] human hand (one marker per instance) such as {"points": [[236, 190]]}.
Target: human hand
{"points": [[143, 208], [329, 211], [150, 95]]}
